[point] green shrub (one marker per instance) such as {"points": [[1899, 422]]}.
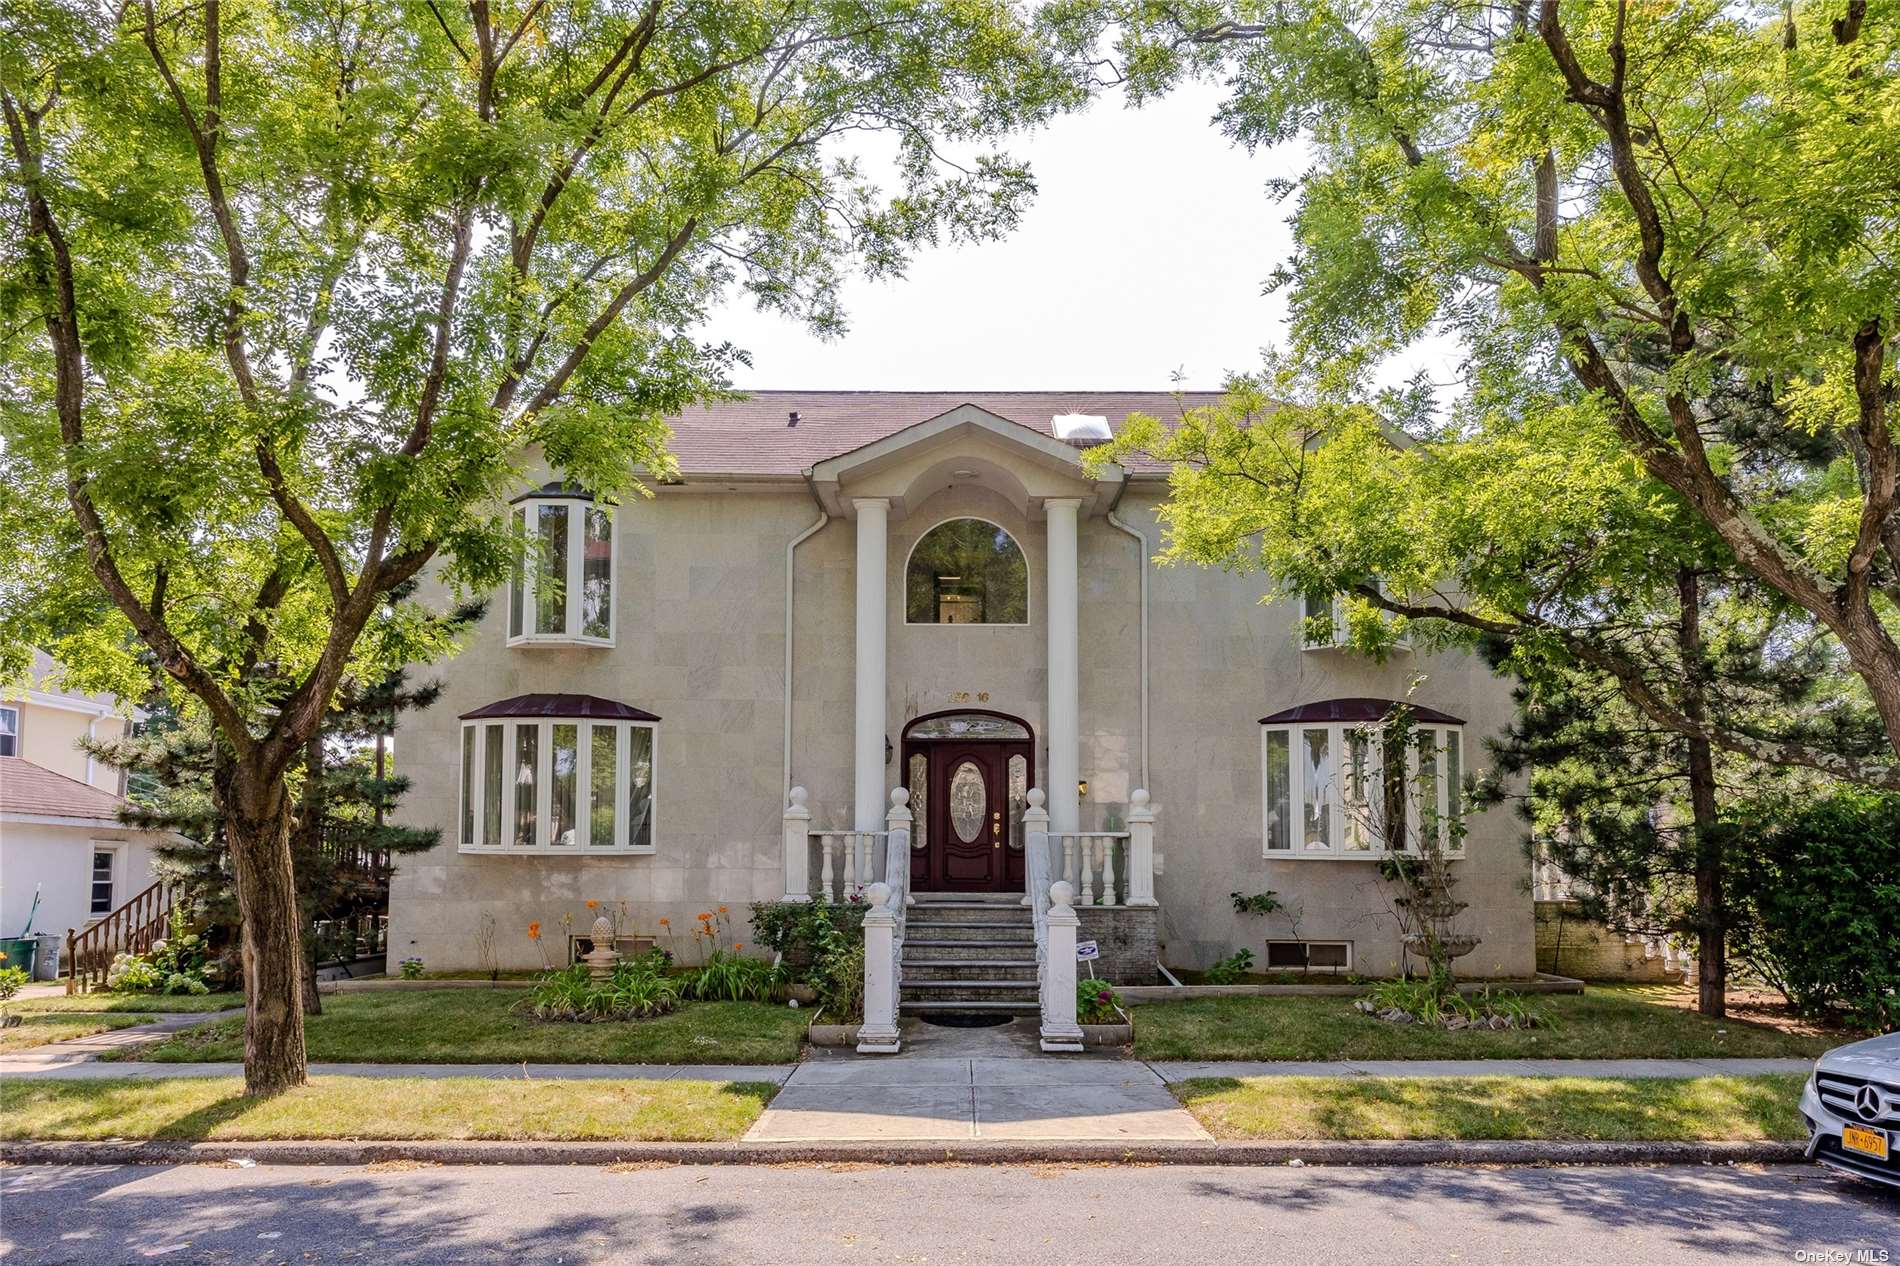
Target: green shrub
{"points": [[1229, 970], [12, 980], [1813, 905], [799, 931], [638, 989], [729, 976], [1096, 1002]]}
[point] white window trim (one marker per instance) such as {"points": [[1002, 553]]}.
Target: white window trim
{"points": [[1267, 964], [117, 849], [19, 714], [523, 517], [544, 787], [1338, 735]]}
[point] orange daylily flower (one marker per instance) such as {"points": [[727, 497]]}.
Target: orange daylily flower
{"points": [[705, 916], [723, 910], [737, 946], [666, 923], [534, 931], [592, 904]]}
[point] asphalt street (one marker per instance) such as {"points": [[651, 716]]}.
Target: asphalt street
{"points": [[1022, 1215]]}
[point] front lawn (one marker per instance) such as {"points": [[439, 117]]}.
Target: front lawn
{"points": [[486, 1026], [38, 1030], [148, 1003], [1558, 1108], [1598, 1024], [193, 1108]]}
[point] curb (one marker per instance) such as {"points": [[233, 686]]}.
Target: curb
{"points": [[1366, 1153]]}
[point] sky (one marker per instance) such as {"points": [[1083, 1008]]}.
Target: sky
{"points": [[1145, 253]]}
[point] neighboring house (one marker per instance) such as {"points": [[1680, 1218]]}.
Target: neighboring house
{"points": [[44, 723], [62, 838], [847, 592]]}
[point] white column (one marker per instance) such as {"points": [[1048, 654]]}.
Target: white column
{"points": [[873, 535], [797, 845], [1065, 667]]}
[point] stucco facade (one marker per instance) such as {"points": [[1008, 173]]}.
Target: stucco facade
{"points": [[699, 611]]}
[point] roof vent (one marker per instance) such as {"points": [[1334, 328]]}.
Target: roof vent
{"points": [[792, 419], [1081, 428]]}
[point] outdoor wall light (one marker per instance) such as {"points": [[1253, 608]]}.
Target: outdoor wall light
{"points": [[1082, 788]]}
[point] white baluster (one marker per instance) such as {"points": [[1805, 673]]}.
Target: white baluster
{"points": [[1108, 871], [1068, 862], [866, 843], [797, 844], [827, 844], [1091, 856], [851, 879]]}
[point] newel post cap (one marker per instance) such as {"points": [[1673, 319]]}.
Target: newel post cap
{"points": [[796, 808], [1062, 893]]}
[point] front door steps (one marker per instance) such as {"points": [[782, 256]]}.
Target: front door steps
{"points": [[969, 951]]}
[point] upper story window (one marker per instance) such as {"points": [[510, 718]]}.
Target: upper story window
{"points": [[557, 774], [1333, 785], [9, 731], [1323, 622], [966, 571], [564, 589]]}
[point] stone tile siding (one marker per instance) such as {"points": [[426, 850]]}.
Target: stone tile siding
{"points": [[1126, 936]]}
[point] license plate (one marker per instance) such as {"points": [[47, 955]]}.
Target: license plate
{"points": [[1867, 1142]]}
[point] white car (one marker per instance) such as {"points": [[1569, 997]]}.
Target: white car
{"points": [[1852, 1107]]}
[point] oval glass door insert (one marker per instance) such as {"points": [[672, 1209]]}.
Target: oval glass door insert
{"points": [[969, 797]]}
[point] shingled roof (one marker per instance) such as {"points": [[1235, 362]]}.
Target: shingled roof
{"points": [[32, 790], [756, 436]]}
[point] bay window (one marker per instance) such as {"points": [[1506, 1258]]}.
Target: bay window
{"points": [[563, 588], [1333, 786], [542, 760]]}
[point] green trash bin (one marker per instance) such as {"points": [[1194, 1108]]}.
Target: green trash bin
{"points": [[20, 952]]}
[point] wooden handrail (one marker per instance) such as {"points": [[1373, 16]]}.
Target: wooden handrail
{"points": [[129, 929]]}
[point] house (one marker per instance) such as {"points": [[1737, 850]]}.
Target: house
{"points": [[60, 836], [708, 697]]}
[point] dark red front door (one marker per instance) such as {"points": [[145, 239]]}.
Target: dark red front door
{"points": [[969, 843]]}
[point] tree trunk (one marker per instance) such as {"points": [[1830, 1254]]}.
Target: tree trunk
{"points": [[257, 825], [1711, 912], [309, 840]]}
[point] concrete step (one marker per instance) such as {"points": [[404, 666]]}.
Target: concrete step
{"points": [[968, 898], [914, 1006], [976, 951], [919, 971], [970, 990], [969, 916]]}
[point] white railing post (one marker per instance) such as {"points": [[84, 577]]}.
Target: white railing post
{"points": [[826, 845], [878, 1036], [797, 841], [1141, 850], [1035, 843], [1060, 1032], [898, 819]]}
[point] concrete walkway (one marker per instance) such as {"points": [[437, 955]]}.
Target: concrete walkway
{"points": [[982, 1099]]}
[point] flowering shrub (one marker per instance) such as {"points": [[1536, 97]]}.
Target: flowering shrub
{"points": [[411, 969], [175, 964], [1096, 1002], [12, 980]]}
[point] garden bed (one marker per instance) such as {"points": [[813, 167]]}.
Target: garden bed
{"points": [[482, 1026], [1542, 983], [1598, 1024], [193, 1108]]}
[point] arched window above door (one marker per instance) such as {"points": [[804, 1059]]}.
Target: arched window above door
{"points": [[966, 571]]}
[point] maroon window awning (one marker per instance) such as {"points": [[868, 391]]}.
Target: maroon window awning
{"points": [[584, 707], [1358, 711]]}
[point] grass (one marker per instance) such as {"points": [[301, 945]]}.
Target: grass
{"points": [[193, 1108], [39, 1030], [1597, 1024], [1558, 1108], [145, 1003], [482, 1026]]}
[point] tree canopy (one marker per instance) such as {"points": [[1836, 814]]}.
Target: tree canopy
{"points": [[1665, 239]]}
